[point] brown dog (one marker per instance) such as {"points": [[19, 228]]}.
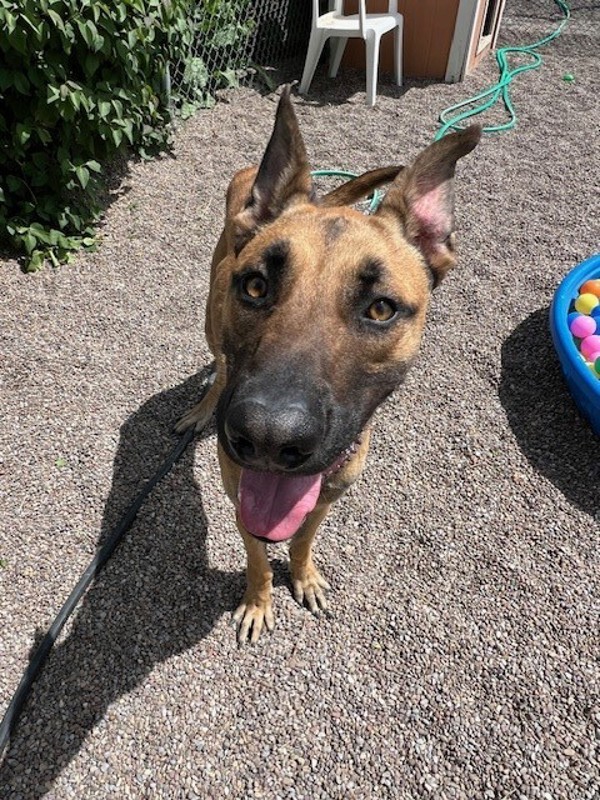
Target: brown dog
{"points": [[315, 313]]}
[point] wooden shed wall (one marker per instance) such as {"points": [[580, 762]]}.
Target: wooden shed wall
{"points": [[428, 31]]}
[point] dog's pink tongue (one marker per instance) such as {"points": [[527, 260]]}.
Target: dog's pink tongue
{"points": [[274, 506]]}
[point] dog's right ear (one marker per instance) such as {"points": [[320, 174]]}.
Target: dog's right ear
{"points": [[421, 200], [283, 178]]}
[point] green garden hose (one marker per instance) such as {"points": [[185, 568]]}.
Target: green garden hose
{"points": [[376, 197], [480, 103], [500, 90]]}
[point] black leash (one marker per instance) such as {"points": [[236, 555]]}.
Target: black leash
{"points": [[94, 568]]}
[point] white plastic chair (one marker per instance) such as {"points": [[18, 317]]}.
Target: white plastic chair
{"points": [[339, 27]]}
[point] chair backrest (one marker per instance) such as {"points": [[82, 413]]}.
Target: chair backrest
{"points": [[338, 10]]}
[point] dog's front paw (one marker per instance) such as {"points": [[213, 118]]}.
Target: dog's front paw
{"points": [[198, 416], [310, 587], [252, 615]]}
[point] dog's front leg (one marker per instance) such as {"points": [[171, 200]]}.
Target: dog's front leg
{"points": [[308, 583], [255, 610], [199, 416]]}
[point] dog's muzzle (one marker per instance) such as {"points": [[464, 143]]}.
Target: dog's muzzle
{"points": [[273, 433]]}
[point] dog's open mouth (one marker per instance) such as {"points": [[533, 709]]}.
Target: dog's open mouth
{"points": [[273, 505]]}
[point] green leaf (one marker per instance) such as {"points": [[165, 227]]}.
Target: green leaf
{"points": [[29, 241], [228, 78], [10, 21], [23, 132], [75, 98], [117, 136], [14, 183], [53, 94], [92, 62], [40, 161], [21, 83], [57, 20], [128, 128], [94, 166], [196, 73], [83, 174], [44, 135], [6, 78], [89, 33], [37, 30], [41, 233], [19, 41], [36, 261]]}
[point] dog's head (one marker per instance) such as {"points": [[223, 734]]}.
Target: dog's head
{"points": [[321, 314]]}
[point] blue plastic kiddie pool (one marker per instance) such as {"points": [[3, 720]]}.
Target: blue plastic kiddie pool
{"points": [[583, 383]]}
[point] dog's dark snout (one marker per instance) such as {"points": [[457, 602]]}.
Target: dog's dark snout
{"points": [[272, 434]]}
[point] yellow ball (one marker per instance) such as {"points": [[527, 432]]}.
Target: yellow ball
{"points": [[586, 302]]}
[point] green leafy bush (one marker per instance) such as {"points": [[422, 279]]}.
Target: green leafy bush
{"points": [[79, 81], [218, 53]]}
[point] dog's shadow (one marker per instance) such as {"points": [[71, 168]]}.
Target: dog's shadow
{"points": [[556, 440], [135, 615]]}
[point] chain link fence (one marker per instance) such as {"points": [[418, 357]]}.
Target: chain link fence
{"points": [[233, 42]]}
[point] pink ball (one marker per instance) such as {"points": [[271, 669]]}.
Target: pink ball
{"points": [[594, 357], [590, 345], [583, 326]]}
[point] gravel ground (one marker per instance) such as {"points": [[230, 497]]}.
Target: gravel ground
{"points": [[461, 657]]}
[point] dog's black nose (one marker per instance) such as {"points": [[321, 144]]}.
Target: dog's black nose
{"points": [[272, 435]]}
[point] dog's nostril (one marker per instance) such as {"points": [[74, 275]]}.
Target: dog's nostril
{"points": [[243, 447], [291, 456]]}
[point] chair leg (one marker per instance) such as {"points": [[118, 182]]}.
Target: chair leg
{"points": [[315, 48], [398, 47], [372, 47], [338, 45]]}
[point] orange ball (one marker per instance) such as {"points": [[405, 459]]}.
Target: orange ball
{"points": [[591, 287]]}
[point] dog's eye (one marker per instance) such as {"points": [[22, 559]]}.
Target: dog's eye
{"points": [[254, 287], [381, 310]]}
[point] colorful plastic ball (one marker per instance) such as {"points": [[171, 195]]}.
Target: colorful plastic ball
{"points": [[582, 326], [586, 302], [590, 345], [594, 356], [591, 287], [596, 312], [573, 316], [597, 365]]}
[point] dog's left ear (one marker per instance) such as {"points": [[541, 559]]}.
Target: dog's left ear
{"points": [[283, 178], [422, 199]]}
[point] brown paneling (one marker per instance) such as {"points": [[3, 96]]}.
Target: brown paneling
{"points": [[428, 32]]}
